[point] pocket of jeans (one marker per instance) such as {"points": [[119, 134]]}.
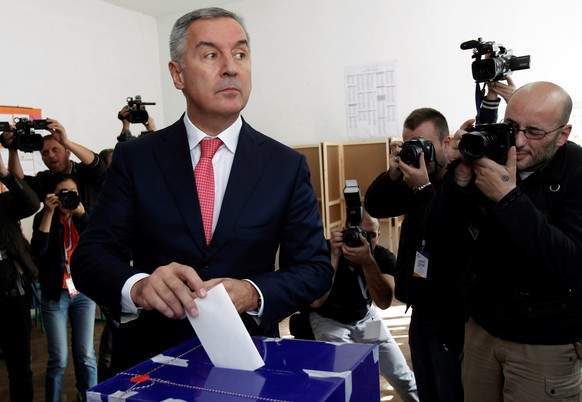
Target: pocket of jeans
{"points": [[563, 388]]}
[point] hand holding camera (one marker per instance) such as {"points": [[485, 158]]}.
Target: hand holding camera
{"points": [[485, 154], [21, 135], [136, 110], [499, 89], [69, 199]]}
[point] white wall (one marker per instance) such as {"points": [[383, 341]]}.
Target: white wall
{"points": [[79, 59], [301, 48]]}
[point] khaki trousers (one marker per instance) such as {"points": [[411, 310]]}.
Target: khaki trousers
{"points": [[497, 370]]}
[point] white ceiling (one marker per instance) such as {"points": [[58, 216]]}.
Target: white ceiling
{"points": [[160, 8]]}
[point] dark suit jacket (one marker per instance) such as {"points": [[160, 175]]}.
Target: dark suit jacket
{"points": [[148, 209]]}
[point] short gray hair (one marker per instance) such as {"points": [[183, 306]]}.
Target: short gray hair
{"points": [[178, 35]]}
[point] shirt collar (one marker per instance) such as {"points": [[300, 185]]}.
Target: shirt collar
{"points": [[229, 136]]}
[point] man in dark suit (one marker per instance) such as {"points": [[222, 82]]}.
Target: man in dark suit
{"points": [[149, 209]]}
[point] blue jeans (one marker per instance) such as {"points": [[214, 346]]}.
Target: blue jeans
{"points": [[80, 310], [393, 364]]}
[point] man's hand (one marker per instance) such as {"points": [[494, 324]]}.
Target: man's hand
{"points": [[361, 255], [58, 131], [495, 180], [415, 176], [394, 162], [336, 242], [150, 125], [497, 88], [170, 289], [243, 294], [123, 115]]}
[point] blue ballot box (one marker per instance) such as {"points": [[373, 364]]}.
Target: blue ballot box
{"points": [[294, 370]]}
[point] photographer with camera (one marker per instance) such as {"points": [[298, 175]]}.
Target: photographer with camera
{"points": [[56, 152], [126, 120], [417, 168], [363, 274], [516, 227], [56, 231]]}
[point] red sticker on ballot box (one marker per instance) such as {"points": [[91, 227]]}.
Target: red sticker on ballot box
{"points": [[140, 378]]}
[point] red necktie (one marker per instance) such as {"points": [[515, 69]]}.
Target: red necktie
{"points": [[204, 176]]}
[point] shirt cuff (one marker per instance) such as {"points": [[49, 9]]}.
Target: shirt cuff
{"points": [[258, 313], [127, 305]]}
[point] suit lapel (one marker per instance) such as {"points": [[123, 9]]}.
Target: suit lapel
{"points": [[173, 157], [247, 166]]}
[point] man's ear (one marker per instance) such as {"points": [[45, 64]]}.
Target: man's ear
{"points": [[564, 135], [176, 73]]}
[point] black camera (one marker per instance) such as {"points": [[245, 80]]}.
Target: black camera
{"points": [[491, 140], [411, 150], [496, 62], [24, 137], [351, 235], [137, 110], [69, 199]]}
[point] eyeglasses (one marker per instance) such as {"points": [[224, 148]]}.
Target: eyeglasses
{"points": [[532, 133]]}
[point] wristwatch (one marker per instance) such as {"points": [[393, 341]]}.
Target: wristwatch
{"points": [[420, 188]]}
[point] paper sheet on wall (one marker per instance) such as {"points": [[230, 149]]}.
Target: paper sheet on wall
{"points": [[371, 101], [223, 334]]}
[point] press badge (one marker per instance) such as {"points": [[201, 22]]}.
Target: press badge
{"points": [[71, 286], [421, 263]]}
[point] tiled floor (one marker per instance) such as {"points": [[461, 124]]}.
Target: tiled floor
{"points": [[394, 317]]}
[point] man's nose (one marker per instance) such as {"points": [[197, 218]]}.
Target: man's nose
{"points": [[230, 66], [520, 138]]}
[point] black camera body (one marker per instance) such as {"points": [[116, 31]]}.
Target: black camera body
{"points": [[24, 137], [137, 110], [69, 199], [492, 140], [351, 236], [353, 198], [411, 150], [493, 60]]}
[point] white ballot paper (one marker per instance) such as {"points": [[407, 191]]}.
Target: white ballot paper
{"points": [[223, 334]]}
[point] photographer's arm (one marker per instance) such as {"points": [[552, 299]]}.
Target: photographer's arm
{"points": [[150, 125], [335, 243], [14, 163], [123, 116], [51, 202], [380, 285]]}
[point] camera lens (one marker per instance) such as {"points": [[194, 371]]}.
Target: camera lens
{"points": [[69, 199], [474, 146], [351, 237], [410, 153]]}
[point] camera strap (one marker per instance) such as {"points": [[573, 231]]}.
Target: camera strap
{"points": [[478, 100]]}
